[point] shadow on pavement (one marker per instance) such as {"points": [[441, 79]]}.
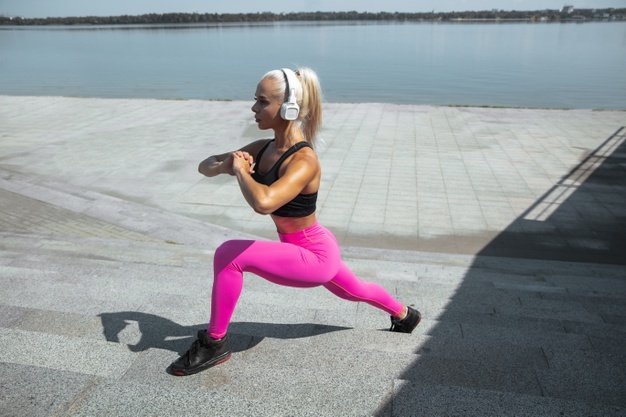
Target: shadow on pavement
{"points": [[581, 218], [161, 333], [541, 311]]}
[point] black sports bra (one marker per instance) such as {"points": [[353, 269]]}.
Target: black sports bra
{"points": [[303, 204]]}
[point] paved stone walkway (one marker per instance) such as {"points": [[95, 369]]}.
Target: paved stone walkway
{"points": [[505, 227], [404, 177]]}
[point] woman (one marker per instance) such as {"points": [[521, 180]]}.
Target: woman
{"points": [[281, 177]]}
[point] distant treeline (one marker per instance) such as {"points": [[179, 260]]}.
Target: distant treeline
{"points": [[168, 18]]}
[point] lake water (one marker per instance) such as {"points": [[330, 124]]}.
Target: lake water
{"points": [[506, 64]]}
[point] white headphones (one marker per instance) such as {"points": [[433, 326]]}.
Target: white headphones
{"points": [[290, 109]]}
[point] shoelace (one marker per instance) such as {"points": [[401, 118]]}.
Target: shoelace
{"points": [[395, 323], [192, 350]]}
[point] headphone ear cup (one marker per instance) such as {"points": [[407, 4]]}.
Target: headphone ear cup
{"points": [[289, 111]]}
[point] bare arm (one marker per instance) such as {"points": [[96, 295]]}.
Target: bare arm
{"points": [[223, 163], [217, 164]]}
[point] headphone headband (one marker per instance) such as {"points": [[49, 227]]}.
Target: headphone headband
{"points": [[290, 109]]}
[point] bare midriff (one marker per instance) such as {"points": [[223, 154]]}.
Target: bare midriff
{"points": [[287, 225]]}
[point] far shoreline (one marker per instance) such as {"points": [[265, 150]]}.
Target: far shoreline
{"points": [[460, 106], [566, 14]]}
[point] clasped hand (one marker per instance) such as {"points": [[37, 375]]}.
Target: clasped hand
{"points": [[243, 161]]}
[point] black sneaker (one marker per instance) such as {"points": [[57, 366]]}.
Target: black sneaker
{"points": [[203, 354], [407, 324]]}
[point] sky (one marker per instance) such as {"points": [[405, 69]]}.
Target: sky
{"points": [[66, 8]]}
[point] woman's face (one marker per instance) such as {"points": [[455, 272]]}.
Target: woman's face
{"points": [[266, 107]]}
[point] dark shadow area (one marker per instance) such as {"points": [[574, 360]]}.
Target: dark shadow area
{"points": [[541, 312], [582, 218], [161, 333]]}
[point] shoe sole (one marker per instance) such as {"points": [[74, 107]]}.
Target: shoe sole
{"points": [[210, 364]]}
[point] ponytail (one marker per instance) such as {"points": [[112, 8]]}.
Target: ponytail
{"points": [[311, 104]]}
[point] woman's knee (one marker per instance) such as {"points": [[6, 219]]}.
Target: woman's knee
{"points": [[229, 251]]}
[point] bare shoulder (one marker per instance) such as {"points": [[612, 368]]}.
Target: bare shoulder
{"points": [[306, 155], [305, 158]]}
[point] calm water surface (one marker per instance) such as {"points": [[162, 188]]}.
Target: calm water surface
{"points": [[527, 65]]}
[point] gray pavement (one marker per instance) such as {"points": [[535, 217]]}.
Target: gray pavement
{"points": [[505, 227]]}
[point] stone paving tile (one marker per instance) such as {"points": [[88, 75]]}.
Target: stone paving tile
{"points": [[418, 398], [495, 335], [53, 393], [25, 215], [573, 375], [481, 374], [56, 352]]}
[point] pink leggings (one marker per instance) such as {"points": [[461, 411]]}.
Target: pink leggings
{"points": [[308, 258]]}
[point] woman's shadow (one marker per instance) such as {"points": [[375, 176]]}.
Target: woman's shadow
{"points": [[161, 333]]}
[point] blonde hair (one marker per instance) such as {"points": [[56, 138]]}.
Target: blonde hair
{"points": [[308, 97]]}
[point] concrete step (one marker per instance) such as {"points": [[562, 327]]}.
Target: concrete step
{"points": [[459, 365], [128, 308], [171, 269], [64, 292]]}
